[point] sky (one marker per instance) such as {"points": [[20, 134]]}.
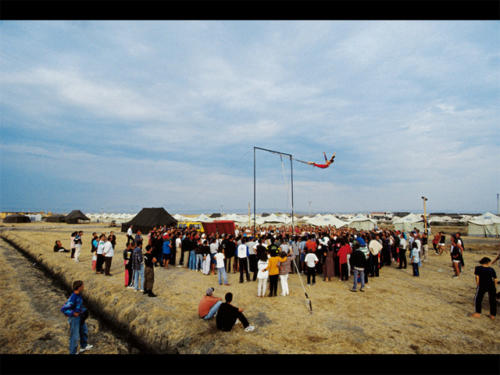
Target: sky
{"points": [[116, 116]]}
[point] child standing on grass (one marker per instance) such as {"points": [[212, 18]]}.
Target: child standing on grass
{"points": [[415, 258], [263, 274], [77, 314], [486, 281]]}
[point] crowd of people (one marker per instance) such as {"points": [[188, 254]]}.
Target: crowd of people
{"points": [[269, 255]]}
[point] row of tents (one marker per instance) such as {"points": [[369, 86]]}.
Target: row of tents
{"points": [[74, 217], [487, 224]]}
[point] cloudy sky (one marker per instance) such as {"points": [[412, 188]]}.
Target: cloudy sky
{"points": [[115, 116]]}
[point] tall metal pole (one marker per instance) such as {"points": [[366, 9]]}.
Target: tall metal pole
{"points": [[291, 177], [498, 204], [254, 194]]}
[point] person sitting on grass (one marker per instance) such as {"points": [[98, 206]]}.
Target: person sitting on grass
{"points": [[486, 282], [58, 248], [228, 314], [209, 305]]}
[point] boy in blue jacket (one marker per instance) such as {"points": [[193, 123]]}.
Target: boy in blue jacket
{"points": [[77, 314]]}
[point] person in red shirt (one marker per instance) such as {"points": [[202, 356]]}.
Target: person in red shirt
{"points": [[209, 305], [311, 244], [345, 249], [327, 162]]}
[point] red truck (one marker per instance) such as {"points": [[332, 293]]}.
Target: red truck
{"points": [[219, 226]]}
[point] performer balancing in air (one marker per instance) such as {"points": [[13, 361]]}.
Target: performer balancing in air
{"points": [[327, 162]]}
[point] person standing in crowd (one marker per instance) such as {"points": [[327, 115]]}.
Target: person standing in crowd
{"points": [[127, 262], [77, 314], [112, 239], [166, 250], [442, 242], [178, 249], [328, 266], [402, 251], [274, 271], [358, 263], [228, 314], [435, 242], [285, 266], [149, 273], [100, 253], [345, 249], [209, 305], [108, 253], [263, 274], [243, 259], [310, 261], [72, 244], [460, 244], [78, 246], [94, 243], [214, 246], [425, 247], [455, 256], [138, 237], [252, 258], [138, 266], [219, 265], [415, 258], [486, 282], [373, 261], [130, 234], [193, 246]]}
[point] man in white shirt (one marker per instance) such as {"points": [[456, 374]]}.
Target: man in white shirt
{"points": [[243, 259], [130, 234], [311, 260], [221, 269], [100, 255], [108, 253], [178, 247], [402, 252], [214, 246]]}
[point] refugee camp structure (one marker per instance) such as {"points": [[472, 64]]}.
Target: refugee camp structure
{"points": [[148, 218], [54, 219], [408, 223], [487, 225], [325, 220], [361, 222], [16, 219], [75, 217]]}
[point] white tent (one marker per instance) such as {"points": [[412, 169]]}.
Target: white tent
{"points": [[361, 222], [408, 223], [326, 220], [274, 219], [487, 225], [204, 218]]}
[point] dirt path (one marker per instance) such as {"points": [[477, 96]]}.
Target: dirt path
{"points": [[31, 322]]}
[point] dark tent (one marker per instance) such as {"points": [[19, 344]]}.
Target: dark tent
{"points": [[149, 218], [75, 216], [265, 214], [17, 219], [55, 219], [214, 215]]}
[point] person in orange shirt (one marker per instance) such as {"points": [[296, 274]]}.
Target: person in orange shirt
{"points": [[209, 305], [273, 273]]}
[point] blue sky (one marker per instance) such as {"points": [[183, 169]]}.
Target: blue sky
{"points": [[115, 116]]}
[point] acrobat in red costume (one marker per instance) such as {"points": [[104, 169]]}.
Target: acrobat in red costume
{"points": [[327, 162]]}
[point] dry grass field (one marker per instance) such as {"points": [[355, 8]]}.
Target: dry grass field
{"points": [[398, 313]]}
